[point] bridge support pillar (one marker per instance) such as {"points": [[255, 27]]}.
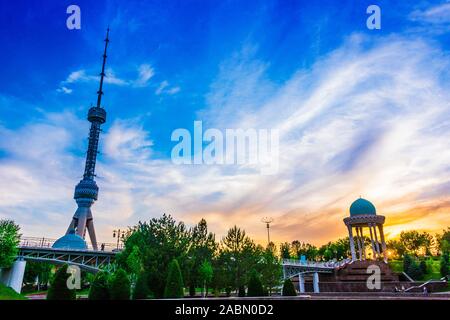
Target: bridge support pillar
{"points": [[316, 282], [301, 283], [13, 277]]}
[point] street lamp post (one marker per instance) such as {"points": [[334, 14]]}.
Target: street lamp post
{"points": [[267, 221], [120, 236]]}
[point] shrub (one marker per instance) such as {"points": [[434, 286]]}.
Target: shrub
{"points": [[414, 271], [99, 288], [120, 286], [174, 283], [288, 288], [423, 266], [255, 288], [58, 288], [407, 260], [141, 290]]}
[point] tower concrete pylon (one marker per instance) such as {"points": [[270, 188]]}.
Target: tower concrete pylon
{"points": [[86, 191]]}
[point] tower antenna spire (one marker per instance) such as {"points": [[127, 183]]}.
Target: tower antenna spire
{"points": [[102, 74]]}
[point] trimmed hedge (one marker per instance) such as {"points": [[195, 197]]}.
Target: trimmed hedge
{"points": [[58, 288]]}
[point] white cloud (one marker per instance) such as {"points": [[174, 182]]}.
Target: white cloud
{"points": [[146, 72], [64, 90], [164, 88], [369, 119], [439, 14]]}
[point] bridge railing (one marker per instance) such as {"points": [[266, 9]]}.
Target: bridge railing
{"points": [[37, 242], [315, 264]]}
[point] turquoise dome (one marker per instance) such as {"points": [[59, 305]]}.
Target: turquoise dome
{"points": [[362, 206], [70, 241]]}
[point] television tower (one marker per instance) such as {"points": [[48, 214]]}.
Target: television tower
{"points": [[86, 191]]}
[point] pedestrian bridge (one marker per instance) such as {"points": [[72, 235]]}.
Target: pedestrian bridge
{"points": [[299, 268], [40, 249]]}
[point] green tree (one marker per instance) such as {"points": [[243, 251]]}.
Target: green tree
{"points": [[9, 240], [174, 284], [285, 251], [99, 289], [58, 288], [202, 247], [255, 288], [271, 268], [396, 247], [242, 255], [288, 288], [416, 243], [444, 268], [160, 241], [120, 286], [443, 241], [206, 274], [140, 290]]}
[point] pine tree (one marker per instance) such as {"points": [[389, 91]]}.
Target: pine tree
{"points": [[99, 289], [120, 286], [141, 290], [174, 283], [58, 288], [288, 289], [255, 288]]}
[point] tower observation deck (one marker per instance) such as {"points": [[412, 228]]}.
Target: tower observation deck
{"points": [[86, 191]]}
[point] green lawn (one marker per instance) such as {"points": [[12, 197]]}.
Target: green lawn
{"points": [[7, 293], [396, 265], [433, 268]]}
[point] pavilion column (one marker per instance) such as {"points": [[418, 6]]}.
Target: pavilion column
{"points": [[352, 243], [372, 242], [301, 283], [377, 245], [358, 241], [383, 242], [363, 244]]}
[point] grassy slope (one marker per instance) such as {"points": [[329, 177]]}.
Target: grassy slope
{"points": [[7, 293]]}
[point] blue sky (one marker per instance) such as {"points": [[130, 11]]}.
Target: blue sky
{"points": [[361, 111]]}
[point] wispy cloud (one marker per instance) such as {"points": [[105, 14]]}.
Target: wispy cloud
{"points": [[438, 14], [368, 119], [145, 73], [165, 88]]}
